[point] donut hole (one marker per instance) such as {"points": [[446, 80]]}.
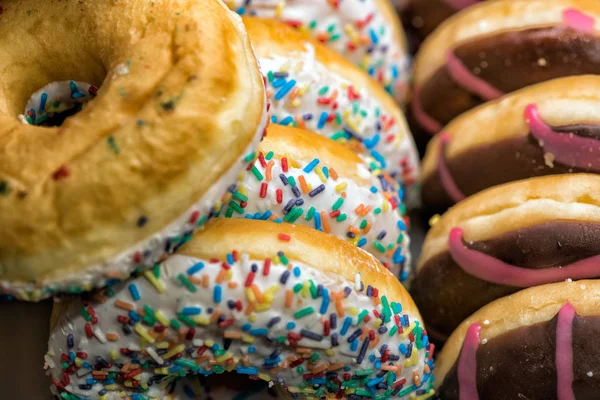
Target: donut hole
{"points": [[52, 104], [225, 385]]}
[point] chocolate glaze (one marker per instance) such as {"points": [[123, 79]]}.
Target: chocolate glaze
{"points": [[521, 364], [497, 163], [425, 15], [510, 61], [446, 295]]}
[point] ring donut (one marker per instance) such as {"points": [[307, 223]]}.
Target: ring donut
{"points": [[367, 33], [287, 304], [303, 178], [506, 238], [312, 87], [545, 129], [113, 187], [543, 340], [498, 47]]}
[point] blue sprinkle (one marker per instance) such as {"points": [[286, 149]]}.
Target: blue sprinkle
{"points": [[322, 120], [277, 83], [285, 89], [354, 345], [230, 259], [374, 37], [373, 189], [347, 322], [401, 225], [43, 100], [195, 268], [246, 327], [191, 310], [290, 325], [217, 294], [134, 291], [311, 165], [247, 370], [259, 332], [296, 272], [286, 121], [362, 242]]}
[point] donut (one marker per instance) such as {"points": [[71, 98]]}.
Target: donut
{"points": [[545, 129], [367, 33], [497, 47], [287, 304], [133, 174], [540, 343], [303, 178], [526, 233], [425, 15], [312, 87]]}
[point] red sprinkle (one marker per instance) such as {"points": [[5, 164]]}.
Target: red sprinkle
{"points": [[263, 190], [88, 331], [194, 217], [61, 173], [279, 195], [261, 159], [267, 267], [284, 164], [249, 279], [284, 237], [190, 334]]}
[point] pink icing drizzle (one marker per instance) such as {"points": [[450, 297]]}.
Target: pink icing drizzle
{"points": [[564, 353], [465, 78], [578, 20], [426, 121], [490, 269], [467, 365], [567, 148], [460, 4], [445, 176]]}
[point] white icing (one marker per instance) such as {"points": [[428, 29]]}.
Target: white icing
{"points": [[357, 29], [392, 144], [388, 222], [149, 250], [252, 351]]}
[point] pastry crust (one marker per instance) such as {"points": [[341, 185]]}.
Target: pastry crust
{"points": [[525, 308], [491, 17], [182, 97], [504, 208]]}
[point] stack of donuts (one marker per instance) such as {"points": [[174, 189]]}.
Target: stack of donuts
{"points": [[218, 196], [504, 108], [217, 204]]}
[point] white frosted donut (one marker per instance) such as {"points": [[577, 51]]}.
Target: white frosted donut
{"points": [[368, 33], [303, 178], [312, 87], [284, 303], [154, 150]]}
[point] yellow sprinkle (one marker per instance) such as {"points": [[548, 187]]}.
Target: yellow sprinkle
{"points": [[264, 377], [376, 323], [201, 320], [78, 362], [247, 338], [243, 190], [224, 357], [434, 220], [161, 371], [162, 345], [302, 90], [158, 285], [330, 352], [279, 9], [305, 290], [407, 331], [252, 317], [143, 333], [234, 364], [250, 295], [228, 274], [160, 317], [341, 186], [294, 164], [296, 103], [353, 311], [263, 307], [407, 363], [414, 358], [320, 174], [175, 350], [385, 206], [114, 354], [423, 396]]}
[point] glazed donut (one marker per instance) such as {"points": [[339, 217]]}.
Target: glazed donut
{"points": [[312, 87], [538, 344], [521, 234], [368, 33], [549, 128], [287, 304], [303, 178], [498, 47], [117, 185], [425, 15]]}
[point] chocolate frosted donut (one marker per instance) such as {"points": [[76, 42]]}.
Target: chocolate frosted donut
{"points": [[549, 128], [498, 47], [506, 238], [541, 343]]}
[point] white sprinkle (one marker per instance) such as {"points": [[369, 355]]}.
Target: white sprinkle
{"points": [[82, 343], [583, 286], [100, 335], [198, 342], [590, 374], [484, 341], [154, 355], [568, 280], [486, 322]]}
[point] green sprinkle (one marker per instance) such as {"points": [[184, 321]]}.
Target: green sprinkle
{"points": [[269, 156], [176, 325], [311, 212], [270, 76], [312, 24], [400, 238], [186, 282], [338, 135], [284, 259], [292, 181], [149, 311], [299, 369], [297, 287], [156, 270], [236, 207], [379, 246], [239, 196], [338, 118], [337, 204], [377, 211], [186, 320], [113, 145], [335, 37], [387, 312], [363, 224], [304, 312], [249, 157], [396, 307], [313, 289], [86, 314], [407, 390], [323, 90], [314, 357], [257, 173], [362, 316], [229, 213], [341, 217], [363, 372]]}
